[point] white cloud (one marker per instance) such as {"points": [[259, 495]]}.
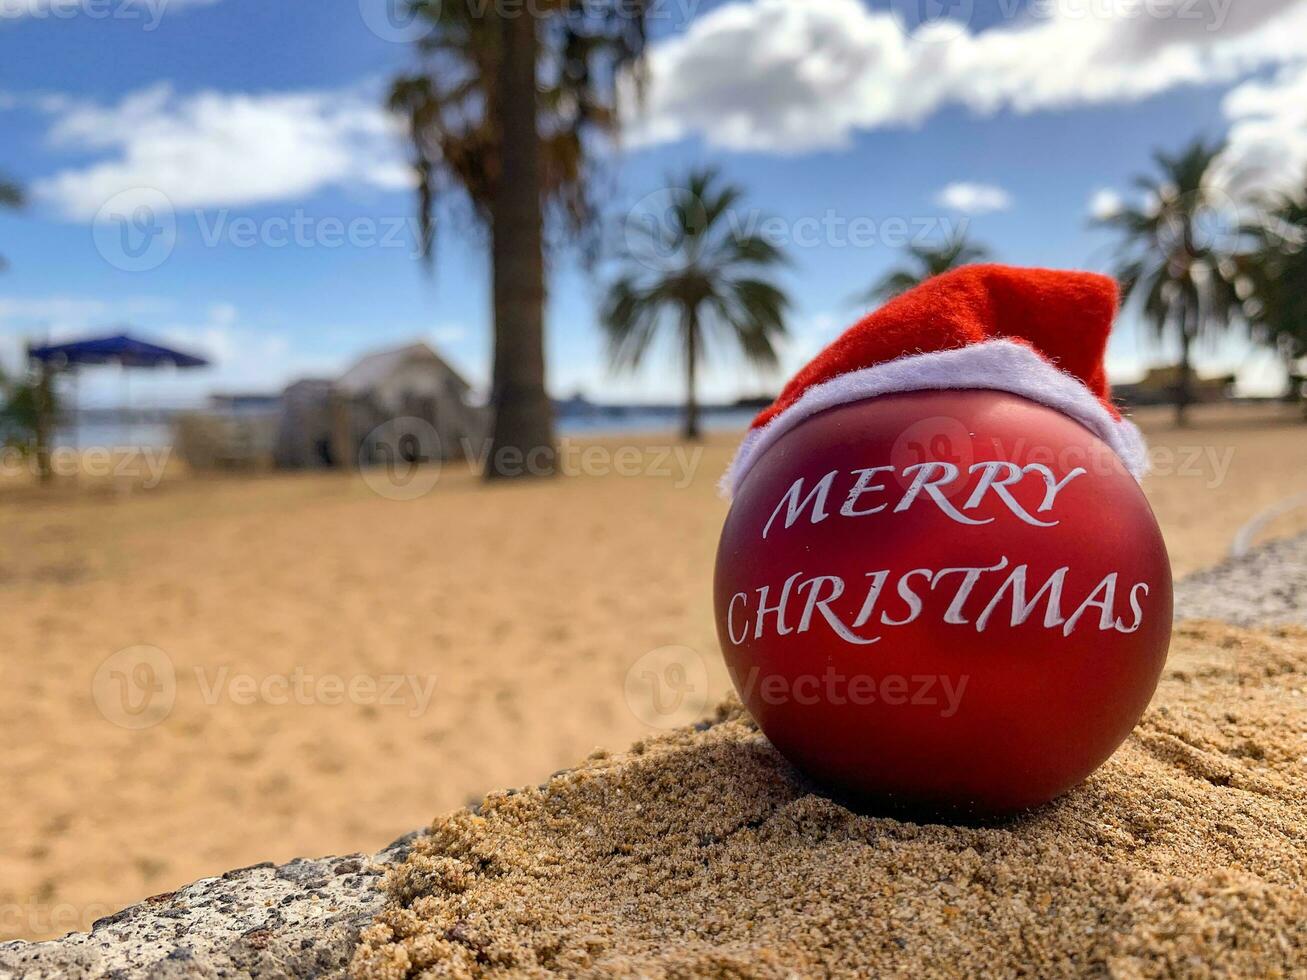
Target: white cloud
{"points": [[1266, 150], [22, 309], [787, 77], [1105, 203], [213, 149], [148, 12], [1268, 132], [64, 315], [243, 356], [237, 351], [1193, 21], [972, 198], [49, 103], [1267, 144]]}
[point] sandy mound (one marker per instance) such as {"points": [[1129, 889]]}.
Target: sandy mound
{"points": [[703, 854]]}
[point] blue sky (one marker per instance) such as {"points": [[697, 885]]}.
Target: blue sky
{"points": [[251, 119]]}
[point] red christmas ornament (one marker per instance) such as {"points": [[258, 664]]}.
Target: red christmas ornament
{"points": [[939, 582]]}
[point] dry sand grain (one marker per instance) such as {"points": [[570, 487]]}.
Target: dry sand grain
{"points": [[702, 854], [528, 604]]}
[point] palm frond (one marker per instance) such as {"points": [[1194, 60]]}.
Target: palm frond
{"points": [[449, 105], [1179, 262], [11, 195], [754, 250], [630, 319], [1274, 274], [698, 267], [755, 316], [926, 262]]}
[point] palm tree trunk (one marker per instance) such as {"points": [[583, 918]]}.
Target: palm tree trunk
{"points": [[522, 434], [1184, 384], [43, 423], [691, 432]]}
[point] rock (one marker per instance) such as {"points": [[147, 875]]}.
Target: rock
{"points": [[1266, 587], [301, 919]]}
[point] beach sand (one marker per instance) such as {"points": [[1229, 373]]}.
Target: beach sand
{"points": [[702, 854], [491, 634]]}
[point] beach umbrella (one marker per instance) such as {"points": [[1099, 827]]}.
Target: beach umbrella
{"points": [[122, 349], [127, 351]]}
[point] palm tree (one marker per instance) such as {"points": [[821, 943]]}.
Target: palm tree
{"points": [[704, 276], [1273, 280], [925, 262], [1179, 255], [1278, 269], [11, 196], [502, 109], [20, 411]]}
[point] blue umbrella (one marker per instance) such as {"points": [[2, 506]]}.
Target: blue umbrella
{"points": [[118, 349]]}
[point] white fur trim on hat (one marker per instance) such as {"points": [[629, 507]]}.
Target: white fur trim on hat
{"points": [[995, 365]]}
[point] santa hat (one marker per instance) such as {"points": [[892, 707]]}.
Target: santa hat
{"points": [[1036, 333]]}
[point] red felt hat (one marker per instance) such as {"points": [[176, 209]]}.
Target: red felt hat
{"points": [[1037, 333]]}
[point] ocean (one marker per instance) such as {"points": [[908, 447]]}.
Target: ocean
{"points": [[153, 434]]}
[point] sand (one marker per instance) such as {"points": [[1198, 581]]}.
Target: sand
{"points": [[702, 854], [529, 607]]}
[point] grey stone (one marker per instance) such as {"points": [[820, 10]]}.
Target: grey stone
{"points": [[1266, 587], [298, 920]]}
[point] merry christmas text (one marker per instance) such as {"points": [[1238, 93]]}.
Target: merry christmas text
{"points": [[865, 492], [974, 597]]}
